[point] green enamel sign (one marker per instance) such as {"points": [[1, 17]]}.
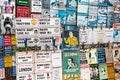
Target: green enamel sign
{"points": [[23, 2]]}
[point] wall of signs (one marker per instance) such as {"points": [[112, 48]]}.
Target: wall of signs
{"points": [[59, 40]]}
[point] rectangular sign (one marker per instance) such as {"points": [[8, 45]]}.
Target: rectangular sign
{"points": [[23, 57], [26, 23], [56, 57], [71, 76], [23, 2], [25, 68], [8, 50], [1, 62], [57, 73], [1, 40], [13, 38], [22, 11], [7, 24], [43, 67], [26, 76], [8, 72], [1, 51], [36, 6], [46, 4], [36, 15], [7, 59], [85, 71], [42, 56], [43, 76], [7, 40], [13, 70], [71, 62], [30, 41], [7, 9], [2, 73]]}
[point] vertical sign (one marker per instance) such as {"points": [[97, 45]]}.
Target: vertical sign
{"points": [[36, 6]]}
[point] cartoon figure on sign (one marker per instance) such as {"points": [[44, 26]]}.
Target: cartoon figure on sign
{"points": [[103, 71], [71, 63], [7, 25], [71, 40]]}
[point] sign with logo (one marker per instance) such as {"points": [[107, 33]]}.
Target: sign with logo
{"points": [[43, 76], [25, 77], [26, 22]]}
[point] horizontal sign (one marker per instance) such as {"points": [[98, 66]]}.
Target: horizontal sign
{"points": [[23, 2], [25, 68], [26, 76], [22, 11], [30, 41], [49, 31], [36, 15], [24, 32], [43, 76], [49, 40], [42, 56], [7, 59], [7, 9], [26, 22], [43, 67], [23, 57], [8, 64]]}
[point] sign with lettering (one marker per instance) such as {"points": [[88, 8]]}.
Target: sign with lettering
{"points": [[42, 56], [25, 68], [22, 57], [36, 6], [22, 11], [23, 2], [25, 77], [43, 67]]}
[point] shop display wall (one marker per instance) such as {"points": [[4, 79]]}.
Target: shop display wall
{"points": [[59, 39]]}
